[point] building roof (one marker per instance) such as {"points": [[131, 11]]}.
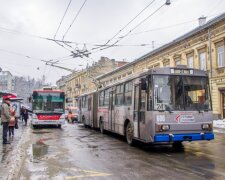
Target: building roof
{"points": [[207, 25]]}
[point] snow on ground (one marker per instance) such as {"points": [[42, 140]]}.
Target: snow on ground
{"points": [[219, 123]]}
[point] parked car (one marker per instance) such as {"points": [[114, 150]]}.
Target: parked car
{"points": [[71, 114]]}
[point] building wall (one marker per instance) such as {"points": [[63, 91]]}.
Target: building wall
{"points": [[84, 81], [6, 81], [204, 41]]}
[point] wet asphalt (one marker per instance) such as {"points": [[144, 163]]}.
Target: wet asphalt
{"points": [[76, 152]]}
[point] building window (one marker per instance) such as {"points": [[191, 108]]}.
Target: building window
{"points": [[220, 56], [177, 61], [166, 64], [202, 61], [190, 61]]}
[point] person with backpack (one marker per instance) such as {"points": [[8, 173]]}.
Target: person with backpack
{"points": [[5, 118]]}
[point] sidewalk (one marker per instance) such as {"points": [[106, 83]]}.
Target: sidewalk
{"points": [[7, 152], [219, 123]]}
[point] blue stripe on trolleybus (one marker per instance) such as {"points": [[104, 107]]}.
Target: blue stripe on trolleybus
{"points": [[183, 137]]}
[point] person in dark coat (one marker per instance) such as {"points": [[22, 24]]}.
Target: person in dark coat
{"points": [[5, 118], [22, 113], [25, 116]]}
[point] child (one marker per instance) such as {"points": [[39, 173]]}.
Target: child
{"points": [[12, 122]]}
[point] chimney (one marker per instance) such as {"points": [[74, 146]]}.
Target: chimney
{"points": [[202, 20]]}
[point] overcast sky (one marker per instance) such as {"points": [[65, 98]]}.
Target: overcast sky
{"points": [[24, 25]]}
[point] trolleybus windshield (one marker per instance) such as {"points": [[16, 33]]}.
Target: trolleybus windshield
{"points": [[177, 93], [48, 102]]}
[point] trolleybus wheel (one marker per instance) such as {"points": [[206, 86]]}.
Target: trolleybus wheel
{"points": [[34, 126], [59, 125], [129, 134], [178, 145], [101, 127]]}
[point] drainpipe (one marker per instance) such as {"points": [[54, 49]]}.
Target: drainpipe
{"points": [[210, 52], [210, 59]]}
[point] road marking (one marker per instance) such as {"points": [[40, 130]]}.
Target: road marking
{"points": [[90, 174]]}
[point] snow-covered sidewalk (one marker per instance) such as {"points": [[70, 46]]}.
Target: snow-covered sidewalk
{"points": [[219, 123]]}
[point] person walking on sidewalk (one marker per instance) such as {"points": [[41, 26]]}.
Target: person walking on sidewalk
{"points": [[12, 122], [25, 116], [5, 118], [22, 113]]}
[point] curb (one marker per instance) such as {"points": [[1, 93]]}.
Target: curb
{"points": [[18, 158]]}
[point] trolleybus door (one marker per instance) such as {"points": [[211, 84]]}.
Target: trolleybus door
{"points": [[139, 111], [111, 111], [79, 105], [90, 111]]}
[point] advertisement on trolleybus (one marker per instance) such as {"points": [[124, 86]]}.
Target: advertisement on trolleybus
{"points": [[48, 107]]}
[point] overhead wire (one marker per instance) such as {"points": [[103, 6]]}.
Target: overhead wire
{"points": [[132, 29], [213, 9], [62, 18], [74, 19], [129, 23], [19, 54]]}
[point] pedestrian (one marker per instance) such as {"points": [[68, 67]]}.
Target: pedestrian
{"points": [[22, 113], [5, 118], [12, 122], [25, 116]]}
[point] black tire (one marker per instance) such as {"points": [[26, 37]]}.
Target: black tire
{"points": [[129, 134], [178, 145], [59, 126], [101, 126], [34, 126]]}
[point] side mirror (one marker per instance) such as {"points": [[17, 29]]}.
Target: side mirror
{"points": [[35, 94], [143, 84]]}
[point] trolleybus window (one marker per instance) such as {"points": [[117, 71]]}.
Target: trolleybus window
{"points": [[106, 97], [101, 98], [119, 95], [128, 93], [180, 93], [84, 102], [196, 93], [149, 94], [48, 102]]}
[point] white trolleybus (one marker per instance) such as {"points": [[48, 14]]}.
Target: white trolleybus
{"points": [[48, 107], [160, 105]]}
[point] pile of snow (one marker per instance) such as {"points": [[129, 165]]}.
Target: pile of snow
{"points": [[219, 123]]}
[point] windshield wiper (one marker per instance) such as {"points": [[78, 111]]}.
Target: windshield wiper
{"points": [[168, 109]]}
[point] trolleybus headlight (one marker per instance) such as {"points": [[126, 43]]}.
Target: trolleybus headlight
{"points": [[165, 127], [206, 126]]}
